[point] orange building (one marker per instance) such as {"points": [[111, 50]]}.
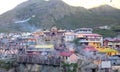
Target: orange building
{"points": [[94, 40]]}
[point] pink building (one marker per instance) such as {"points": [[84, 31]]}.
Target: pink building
{"points": [[112, 42]]}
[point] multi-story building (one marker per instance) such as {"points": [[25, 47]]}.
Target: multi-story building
{"points": [[112, 42], [69, 36], [86, 37], [95, 40]]}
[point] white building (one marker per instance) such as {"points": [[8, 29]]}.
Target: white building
{"points": [[69, 36], [83, 30]]}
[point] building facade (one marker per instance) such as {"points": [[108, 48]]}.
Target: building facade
{"points": [[94, 40], [112, 42]]}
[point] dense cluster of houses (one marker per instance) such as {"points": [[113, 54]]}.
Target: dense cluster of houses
{"points": [[60, 43], [85, 36]]}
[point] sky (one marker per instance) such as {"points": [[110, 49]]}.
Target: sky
{"points": [[93, 3], [6, 5]]}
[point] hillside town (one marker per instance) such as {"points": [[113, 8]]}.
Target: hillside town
{"points": [[78, 50]]}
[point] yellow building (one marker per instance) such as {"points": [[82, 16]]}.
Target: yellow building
{"points": [[108, 51], [94, 40], [95, 44]]}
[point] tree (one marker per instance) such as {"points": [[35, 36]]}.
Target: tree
{"points": [[72, 67], [76, 41]]}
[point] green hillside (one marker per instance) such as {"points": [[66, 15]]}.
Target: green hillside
{"points": [[43, 15]]}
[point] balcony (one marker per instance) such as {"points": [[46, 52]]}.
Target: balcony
{"points": [[93, 40]]}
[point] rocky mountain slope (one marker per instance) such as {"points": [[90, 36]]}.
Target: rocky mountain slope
{"points": [[35, 14]]}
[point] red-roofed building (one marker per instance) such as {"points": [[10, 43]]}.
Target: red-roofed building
{"points": [[65, 55], [69, 57]]}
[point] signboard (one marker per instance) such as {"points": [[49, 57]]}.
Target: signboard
{"points": [[106, 64]]}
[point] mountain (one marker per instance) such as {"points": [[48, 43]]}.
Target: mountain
{"points": [[43, 14]]}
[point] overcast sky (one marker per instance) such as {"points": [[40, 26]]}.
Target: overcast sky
{"points": [[6, 5], [93, 3]]}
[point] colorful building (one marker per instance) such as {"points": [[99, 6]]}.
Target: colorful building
{"points": [[112, 43], [65, 55], [94, 40]]}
